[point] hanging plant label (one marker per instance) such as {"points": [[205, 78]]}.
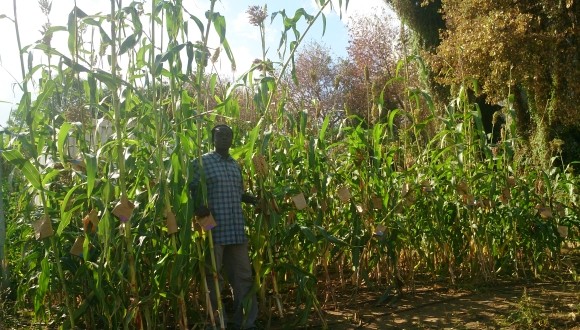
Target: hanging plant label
{"points": [[462, 188], [77, 248], [545, 212], [207, 223], [380, 230], [43, 227], [563, 231], [505, 196], [324, 205], [124, 209], [91, 221], [170, 222], [511, 181], [405, 189], [344, 194], [377, 202], [299, 201]]}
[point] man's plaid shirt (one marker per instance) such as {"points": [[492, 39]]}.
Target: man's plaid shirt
{"points": [[224, 184]]}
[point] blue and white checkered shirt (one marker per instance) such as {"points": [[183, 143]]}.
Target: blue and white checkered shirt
{"points": [[224, 184]]}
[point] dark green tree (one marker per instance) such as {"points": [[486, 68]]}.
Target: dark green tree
{"points": [[528, 49]]}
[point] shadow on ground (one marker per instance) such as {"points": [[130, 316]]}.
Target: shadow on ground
{"points": [[503, 306]]}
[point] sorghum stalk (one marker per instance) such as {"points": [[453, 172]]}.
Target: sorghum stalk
{"points": [[204, 279], [199, 105], [115, 104], [3, 261], [162, 175], [29, 121]]}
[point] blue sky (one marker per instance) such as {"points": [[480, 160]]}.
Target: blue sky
{"points": [[244, 38]]}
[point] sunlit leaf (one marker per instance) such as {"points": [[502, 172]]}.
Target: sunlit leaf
{"points": [[91, 164], [128, 43], [62, 138], [30, 172]]}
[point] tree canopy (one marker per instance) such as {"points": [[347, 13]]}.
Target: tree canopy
{"points": [[526, 49]]}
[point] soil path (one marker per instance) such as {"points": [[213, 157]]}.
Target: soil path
{"points": [[504, 306]]}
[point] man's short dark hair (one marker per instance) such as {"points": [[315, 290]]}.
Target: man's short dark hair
{"points": [[215, 128]]}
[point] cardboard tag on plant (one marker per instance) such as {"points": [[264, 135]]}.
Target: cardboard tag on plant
{"points": [[43, 227], [344, 194], [405, 189], [505, 196], [462, 188], [207, 223], [380, 230], [324, 205], [377, 202], [545, 212], [91, 221], [77, 248], [170, 222], [124, 209], [299, 201], [563, 231], [511, 181]]}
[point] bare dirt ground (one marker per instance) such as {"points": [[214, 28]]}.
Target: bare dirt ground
{"points": [[507, 305], [550, 303], [540, 305]]}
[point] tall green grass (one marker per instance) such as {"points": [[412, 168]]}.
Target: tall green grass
{"points": [[428, 197]]}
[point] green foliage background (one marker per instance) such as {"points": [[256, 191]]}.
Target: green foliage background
{"points": [[429, 196]]}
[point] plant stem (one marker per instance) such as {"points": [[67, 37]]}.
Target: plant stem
{"points": [[53, 241], [216, 281], [3, 261], [121, 166], [283, 69], [204, 280], [30, 123], [199, 106]]}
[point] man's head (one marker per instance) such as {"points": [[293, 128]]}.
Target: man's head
{"points": [[222, 137]]}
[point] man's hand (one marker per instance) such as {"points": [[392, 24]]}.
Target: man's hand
{"points": [[202, 211], [249, 199]]}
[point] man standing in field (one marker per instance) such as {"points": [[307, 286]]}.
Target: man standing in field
{"points": [[225, 193]]}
